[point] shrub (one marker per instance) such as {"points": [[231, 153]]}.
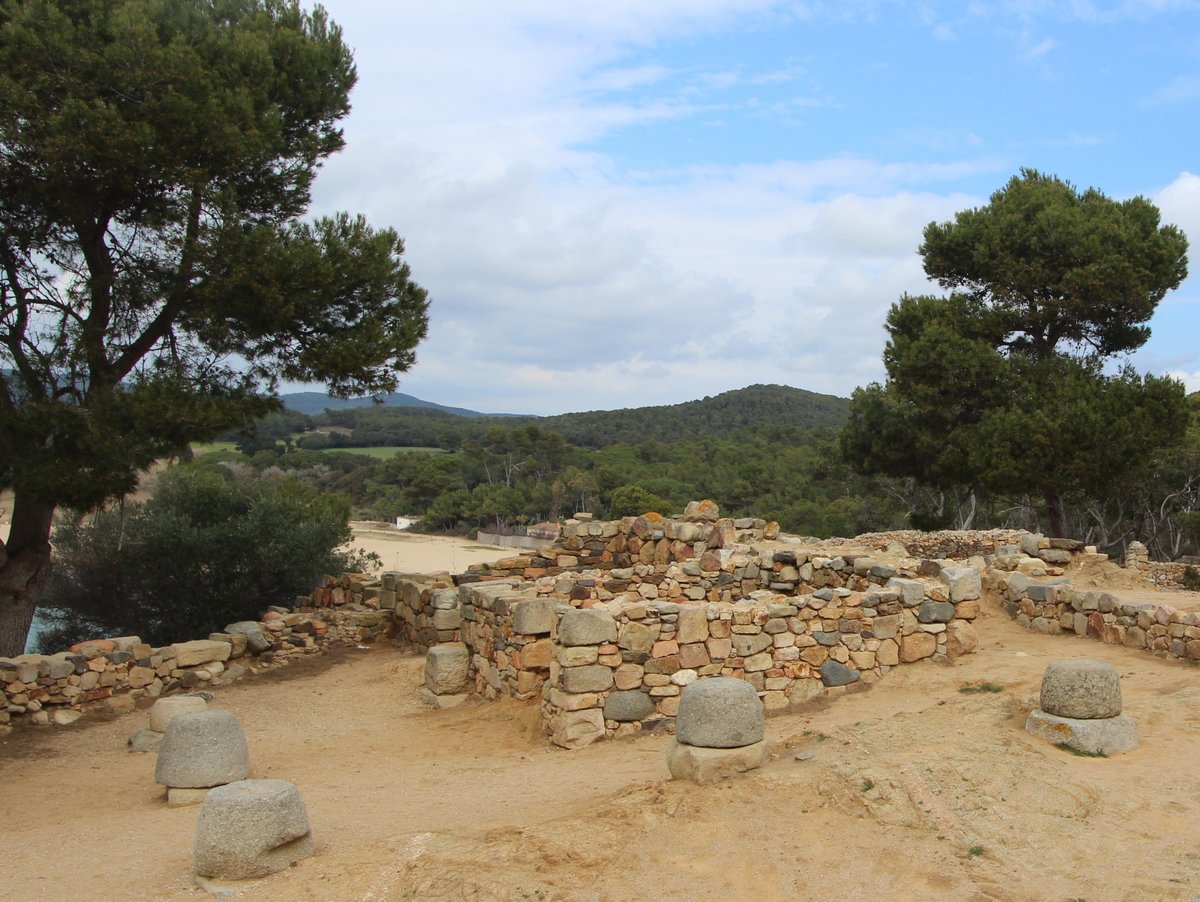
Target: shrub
{"points": [[205, 550], [633, 501], [1191, 578]]}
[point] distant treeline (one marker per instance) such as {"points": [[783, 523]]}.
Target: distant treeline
{"points": [[764, 451]]}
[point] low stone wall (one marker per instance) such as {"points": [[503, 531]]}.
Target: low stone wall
{"points": [[947, 544], [1034, 592], [608, 624], [110, 675], [495, 538]]}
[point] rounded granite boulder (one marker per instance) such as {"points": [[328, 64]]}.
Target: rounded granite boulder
{"points": [[1081, 689], [719, 713], [202, 749], [251, 828]]}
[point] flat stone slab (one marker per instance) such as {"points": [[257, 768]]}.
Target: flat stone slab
{"points": [[705, 766], [1096, 736], [202, 749], [433, 700], [251, 828], [720, 713], [1082, 689]]}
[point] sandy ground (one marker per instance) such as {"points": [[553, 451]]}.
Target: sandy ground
{"points": [[908, 790], [415, 553]]}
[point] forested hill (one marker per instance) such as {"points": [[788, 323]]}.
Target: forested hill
{"points": [[719, 416], [315, 402]]}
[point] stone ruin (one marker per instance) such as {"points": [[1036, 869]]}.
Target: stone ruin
{"points": [[1081, 709]]}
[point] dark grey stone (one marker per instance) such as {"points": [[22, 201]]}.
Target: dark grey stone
{"points": [[628, 705], [935, 612], [835, 674]]}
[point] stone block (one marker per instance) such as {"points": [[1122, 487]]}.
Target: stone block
{"points": [[912, 591], [536, 655], [446, 668], [935, 612], [1081, 689], [163, 711], [705, 766], [835, 674], [638, 637], [589, 626], [575, 729], [251, 828], [964, 583], [201, 749], [746, 645], [447, 619], [589, 678], [961, 639], [434, 700], [1096, 736], [200, 651], [534, 616], [692, 625], [917, 646], [628, 706], [720, 712]]}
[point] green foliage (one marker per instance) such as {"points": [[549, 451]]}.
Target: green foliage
{"points": [[156, 161], [633, 501], [999, 388], [1079, 753], [153, 181], [1191, 578], [207, 549], [1189, 525]]}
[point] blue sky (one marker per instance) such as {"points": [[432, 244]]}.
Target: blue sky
{"points": [[626, 203]]}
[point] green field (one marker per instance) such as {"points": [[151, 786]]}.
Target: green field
{"points": [[199, 448], [386, 451]]}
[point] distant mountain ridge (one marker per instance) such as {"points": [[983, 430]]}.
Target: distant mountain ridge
{"points": [[405, 420], [315, 402]]}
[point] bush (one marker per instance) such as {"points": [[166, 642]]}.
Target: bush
{"points": [[633, 501], [207, 549], [1191, 578]]}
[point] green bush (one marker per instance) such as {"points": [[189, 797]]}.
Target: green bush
{"points": [[207, 549], [1191, 578], [633, 501]]}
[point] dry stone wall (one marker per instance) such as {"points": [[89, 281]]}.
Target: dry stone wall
{"points": [[1031, 582], [607, 625], [112, 674]]}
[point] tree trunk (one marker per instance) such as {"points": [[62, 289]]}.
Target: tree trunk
{"points": [[24, 563], [1055, 514]]}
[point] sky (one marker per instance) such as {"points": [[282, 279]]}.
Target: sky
{"points": [[624, 203]]}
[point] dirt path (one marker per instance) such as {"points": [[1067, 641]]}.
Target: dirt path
{"points": [[909, 790]]}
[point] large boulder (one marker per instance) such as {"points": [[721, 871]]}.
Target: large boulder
{"points": [[720, 713], [1081, 689], [202, 749], [251, 828]]}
